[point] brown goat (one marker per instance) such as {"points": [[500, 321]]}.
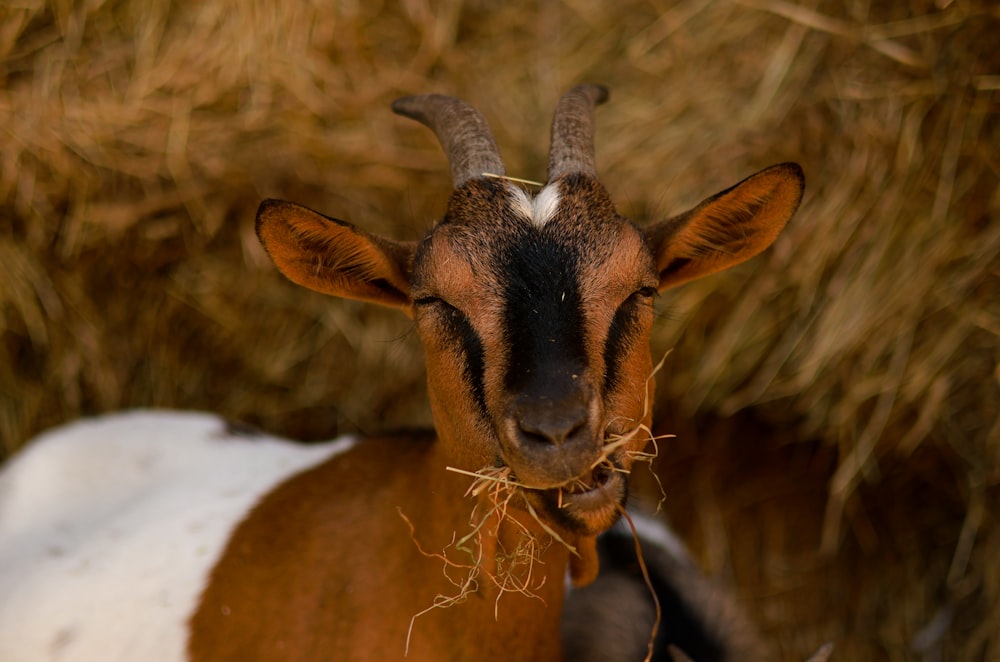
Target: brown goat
{"points": [[165, 536]]}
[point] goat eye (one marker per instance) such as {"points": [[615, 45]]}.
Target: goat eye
{"points": [[638, 300], [644, 295], [436, 303], [427, 301]]}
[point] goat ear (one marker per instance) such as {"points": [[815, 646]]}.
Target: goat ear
{"points": [[727, 228], [334, 257]]}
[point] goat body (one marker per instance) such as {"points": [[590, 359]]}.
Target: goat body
{"points": [[172, 536]]}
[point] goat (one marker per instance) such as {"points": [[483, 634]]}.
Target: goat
{"points": [[151, 535]]}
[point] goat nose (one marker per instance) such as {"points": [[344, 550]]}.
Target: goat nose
{"points": [[551, 439], [555, 419], [544, 421]]}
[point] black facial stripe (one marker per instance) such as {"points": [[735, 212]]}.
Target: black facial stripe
{"points": [[621, 339], [466, 341], [543, 317]]}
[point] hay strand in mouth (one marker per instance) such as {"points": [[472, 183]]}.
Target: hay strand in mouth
{"points": [[441, 601], [487, 478], [549, 530], [615, 441], [501, 486], [497, 486], [514, 570], [507, 571]]}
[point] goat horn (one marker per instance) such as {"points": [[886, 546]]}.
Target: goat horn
{"points": [[572, 149], [462, 131]]}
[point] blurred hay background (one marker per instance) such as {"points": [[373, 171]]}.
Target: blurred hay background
{"points": [[851, 496]]}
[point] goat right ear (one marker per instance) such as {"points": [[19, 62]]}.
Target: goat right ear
{"points": [[727, 228], [334, 257]]}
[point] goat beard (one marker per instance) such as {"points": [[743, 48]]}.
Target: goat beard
{"points": [[584, 565]]}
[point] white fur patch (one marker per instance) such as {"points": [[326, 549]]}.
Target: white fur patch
{"points": [[653, 530], [110, 527], [539, 210]]}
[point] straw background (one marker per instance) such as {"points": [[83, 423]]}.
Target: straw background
{"points": [[853, 494]]}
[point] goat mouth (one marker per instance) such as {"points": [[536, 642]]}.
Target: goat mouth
{"points": [[588, 504], [589, 483]]}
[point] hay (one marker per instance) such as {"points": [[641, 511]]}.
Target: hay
{"points": [[658, 611], [138, 138], [479, 559]]}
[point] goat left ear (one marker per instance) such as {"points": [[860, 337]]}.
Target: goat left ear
{"points": [[334, 257], [727, 228]]}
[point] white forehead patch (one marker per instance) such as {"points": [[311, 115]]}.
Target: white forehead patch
{"points": [[539, 210]]}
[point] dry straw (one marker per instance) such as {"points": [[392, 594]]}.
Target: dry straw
{"points": [[138, 137], [477, 560]]}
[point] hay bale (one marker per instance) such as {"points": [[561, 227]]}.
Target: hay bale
{"points": [[138, 138]]}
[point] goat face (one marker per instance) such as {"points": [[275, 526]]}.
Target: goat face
{"points": [[535, 318], [534, 312]]}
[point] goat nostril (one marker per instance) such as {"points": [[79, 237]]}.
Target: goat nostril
{"points": [[555, 431], [578, 430], [529, 437]]}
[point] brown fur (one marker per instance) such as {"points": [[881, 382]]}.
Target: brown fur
{"points": [[298, 580], [327, 562]]}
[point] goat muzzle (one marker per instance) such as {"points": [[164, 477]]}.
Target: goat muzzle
{"points": [[551, 440]]}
